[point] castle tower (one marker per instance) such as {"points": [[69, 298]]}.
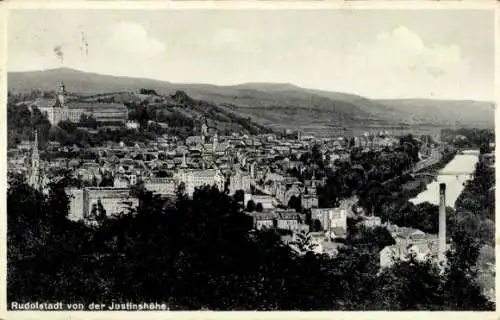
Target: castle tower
{"points": [[61, 92], [442, 223], [58, 112], [34, 178]]}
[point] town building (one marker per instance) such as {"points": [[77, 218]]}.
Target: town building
{"points": [[133, 125], [161, 186], [239, 180], [113, 200], [268, 202], [263, 220], [57, 111], [309, 201], [75, 203], [371, 221], [288, 220], [197, 178], [330, 218], [420, 249]]}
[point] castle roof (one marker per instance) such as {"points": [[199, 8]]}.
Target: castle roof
{"points": [[97, 106], [42, 103], [208, 173]]}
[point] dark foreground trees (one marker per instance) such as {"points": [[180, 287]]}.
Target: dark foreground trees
{"points": [[201, 253]]}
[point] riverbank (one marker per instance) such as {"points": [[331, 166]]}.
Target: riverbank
{"points": [[395, 204], [455, 175], [413, 185]]}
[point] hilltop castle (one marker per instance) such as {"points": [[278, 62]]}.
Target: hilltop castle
{"points": [[62, 110], [59, 111]]}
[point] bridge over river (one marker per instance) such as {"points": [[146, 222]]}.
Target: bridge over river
{"points": [[454, 174]]}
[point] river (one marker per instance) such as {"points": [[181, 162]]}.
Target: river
{"points": [[463, 165]]}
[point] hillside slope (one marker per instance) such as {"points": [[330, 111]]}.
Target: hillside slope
{"points": [[279, 105], [80, 82], [446, 112]]}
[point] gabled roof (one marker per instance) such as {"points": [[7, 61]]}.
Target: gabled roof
{"points": [[42, 103], [259, 216], [97, 106], [203, 173], [288, 215]]}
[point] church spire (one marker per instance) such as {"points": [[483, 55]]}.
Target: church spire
{"points": [[184, 163], [204, 130], [215, 142], [34, 179]]}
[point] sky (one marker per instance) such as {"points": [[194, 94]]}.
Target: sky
{"points": [[440, 54]]}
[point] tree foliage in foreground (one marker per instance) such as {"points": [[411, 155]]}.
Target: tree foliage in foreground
{"points": [[201, 253]]}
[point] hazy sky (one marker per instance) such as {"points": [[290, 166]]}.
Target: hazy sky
{"points": [[376, 53]]}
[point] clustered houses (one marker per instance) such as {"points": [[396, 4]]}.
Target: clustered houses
{"points": [[270, 171], [258, 165]]}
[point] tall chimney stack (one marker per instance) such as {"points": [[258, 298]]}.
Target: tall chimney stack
{"points": [[442, 222]]}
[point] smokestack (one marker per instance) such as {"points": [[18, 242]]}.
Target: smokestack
{"points": [[442, 222]]}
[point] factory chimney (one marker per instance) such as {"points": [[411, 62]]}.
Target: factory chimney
{"points": [[442, 223]]}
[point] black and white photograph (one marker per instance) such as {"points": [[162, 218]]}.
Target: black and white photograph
{"points": [[250, 159]]}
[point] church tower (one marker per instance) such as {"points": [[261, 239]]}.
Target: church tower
{"points": [[215, 143], [184, 163], [204, 130], [34, 178]]}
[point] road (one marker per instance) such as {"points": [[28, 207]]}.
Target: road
{"points": [[433, 158]]}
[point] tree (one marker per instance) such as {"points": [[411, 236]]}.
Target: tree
{"points": [[181, 97], [107, 179], [410, 285], [58, 203], [460, 286], [148, 91], [295, 203], [88, 121], [306, 158], [317, 156], [239, 196], [180, 192], [22, 121], [188, 253], [101, 212], [259, 207], [251, 206], [316, 226], [410, 146], [303, 243], [95, 183], [352, 143], [374, 239], [138, 190]]}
